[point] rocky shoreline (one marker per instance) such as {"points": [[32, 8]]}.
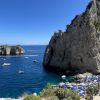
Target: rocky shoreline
{"points": [[11, 50]]}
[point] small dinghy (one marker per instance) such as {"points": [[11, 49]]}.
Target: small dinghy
{"points": [[63, 76], [35, 61], [20, 72], [6, 64]]}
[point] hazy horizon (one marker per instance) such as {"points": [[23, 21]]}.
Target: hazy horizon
{"points": [[32, 22]]}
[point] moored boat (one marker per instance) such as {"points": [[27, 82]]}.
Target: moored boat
{"points": [[6, 64], [20, 72]]}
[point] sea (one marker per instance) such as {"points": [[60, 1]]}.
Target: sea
{"points": [[25, 74]]}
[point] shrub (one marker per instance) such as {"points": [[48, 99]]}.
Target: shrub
{"points": [[75, 96], [52, 98], [48, 91], [96, 90], [97, 24], [89, 90], [93, 90], [32, 97], [60, 93], [89, 93], [67, 94], [51, 93]]}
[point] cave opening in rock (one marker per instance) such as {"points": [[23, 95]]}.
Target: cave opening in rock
{"points": [[81, 60]]}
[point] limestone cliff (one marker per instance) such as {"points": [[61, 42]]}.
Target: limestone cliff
{"points": [[77, 49], [11, 50]]}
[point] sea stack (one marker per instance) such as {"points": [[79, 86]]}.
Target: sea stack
{"points": [[77, 50], [11, 50]]}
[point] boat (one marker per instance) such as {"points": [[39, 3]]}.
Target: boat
{"points": [[20, 72], [63, 76], [35, 61], [6, 64]]}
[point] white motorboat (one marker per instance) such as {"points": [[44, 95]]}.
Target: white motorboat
{"points": [[6, 64], [20, 72]]}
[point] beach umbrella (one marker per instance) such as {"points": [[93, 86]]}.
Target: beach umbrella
{"points": [[82, 94], [95, 80], [73, 84], [75, 89], [83, 84], [81, 88], [65, 86]]}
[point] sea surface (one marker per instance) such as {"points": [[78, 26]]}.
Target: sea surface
{"points": [[35, 77]]}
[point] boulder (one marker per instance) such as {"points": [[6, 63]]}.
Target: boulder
{"points": [[82, 76]]}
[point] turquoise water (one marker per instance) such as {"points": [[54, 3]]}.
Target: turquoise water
{"points": [[34, 78]]}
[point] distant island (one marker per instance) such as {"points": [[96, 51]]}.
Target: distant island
{"points": [[11, 50]]}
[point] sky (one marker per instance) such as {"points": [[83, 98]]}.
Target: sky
{"points": [[34, 21]]}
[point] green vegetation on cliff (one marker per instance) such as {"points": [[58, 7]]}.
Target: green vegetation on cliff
{"points": [[54, 93], [97, 24]]}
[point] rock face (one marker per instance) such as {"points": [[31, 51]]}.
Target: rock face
{"points": [[11, 50], [77, 50]]}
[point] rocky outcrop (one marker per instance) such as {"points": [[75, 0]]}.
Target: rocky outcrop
{"points": [[77, 50], [11, 50]]}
